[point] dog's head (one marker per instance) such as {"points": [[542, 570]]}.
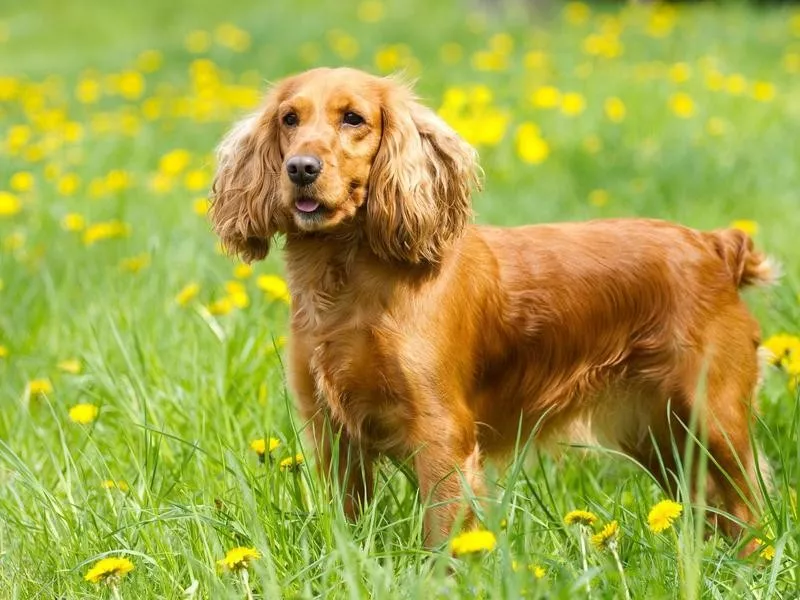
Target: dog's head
{"points": [[338, 148]]}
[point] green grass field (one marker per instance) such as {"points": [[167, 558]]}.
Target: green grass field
{"points": [[113, 292]]}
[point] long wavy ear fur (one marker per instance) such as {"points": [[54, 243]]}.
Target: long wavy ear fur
{"points": [[246, 189], [420, 182]]}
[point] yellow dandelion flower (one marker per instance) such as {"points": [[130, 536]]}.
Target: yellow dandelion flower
{"points": [[187, 294], [682, 105], [233, 288], [606, 536], [598, 198], [579, 517], [34, 153], [105, 231], [763, 91], [607, 45], [546, 97], [470, 542], [485, 60], [232, 37], [197, 41], [242, 271], [343, 44], [614, 109], [663, 515], [714, 81], [119, 484], [88, 90], [239, 299], [9, 204], [152, 108], [38, 387], [72, 366], [748, 226], [531, 148], [162, 183], [791, 62], [117, 180], [109, 570], [292, 463], [239, 558], [97, 188], [680, 72], [83, 413], [502, 43], [274, 287], [221, 307], [534, 60], [781, 347], [68, 184], [131, 85], [537, 571], [576, 13], [716, 127], [72, 132], [149, 61], [174, 161], [572, 104], [197, 179], [73, 222], [134, 264], [200, 206], [735, 84], [21, 181], [662, 21], [388, 59], [264, 446], [767, 550], [3, 351], [14, 241], [18, 136], [370, 11]]}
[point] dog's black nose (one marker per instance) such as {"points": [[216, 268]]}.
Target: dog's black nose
{"points": [[303, 169]]}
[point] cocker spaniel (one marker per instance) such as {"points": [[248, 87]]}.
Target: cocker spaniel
{"points": [[420, 335]]}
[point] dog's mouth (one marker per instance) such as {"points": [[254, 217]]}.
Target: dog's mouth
{"points": [[308, 207]]}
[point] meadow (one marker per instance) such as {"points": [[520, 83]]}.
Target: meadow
{"points": [[143, 408]]}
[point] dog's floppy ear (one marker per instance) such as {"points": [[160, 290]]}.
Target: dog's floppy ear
{"points": [[420, 181], [245, 200]]}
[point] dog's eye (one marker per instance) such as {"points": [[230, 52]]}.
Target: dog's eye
{"points": [[290, 119], [353, 119]]}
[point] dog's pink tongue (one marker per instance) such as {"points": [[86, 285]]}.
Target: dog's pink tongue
{"points": [[306, 205]]}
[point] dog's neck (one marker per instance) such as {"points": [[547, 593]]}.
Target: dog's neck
{"points": [[338, 273]]}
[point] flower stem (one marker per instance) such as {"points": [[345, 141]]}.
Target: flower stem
{"points": [[613, 548], [583, 557], [246, 583], [115, 592]]}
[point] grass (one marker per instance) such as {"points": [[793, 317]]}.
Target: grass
{"points": [[182, 392]]}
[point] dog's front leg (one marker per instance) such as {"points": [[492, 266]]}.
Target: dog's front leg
{"points": [[339, 457], [450, 471]]}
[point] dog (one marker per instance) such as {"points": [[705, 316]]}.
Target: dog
{"points": [[419, 335]]}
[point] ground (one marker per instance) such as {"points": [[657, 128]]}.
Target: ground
{"points": [[138, 364]]}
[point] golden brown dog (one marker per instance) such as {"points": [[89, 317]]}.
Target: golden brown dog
{"points": [[421, 335]]}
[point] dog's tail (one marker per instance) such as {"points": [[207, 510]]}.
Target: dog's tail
{"points": [[746, 265]]}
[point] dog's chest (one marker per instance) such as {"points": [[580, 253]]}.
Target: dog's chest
{"points": [[354, 376]]}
